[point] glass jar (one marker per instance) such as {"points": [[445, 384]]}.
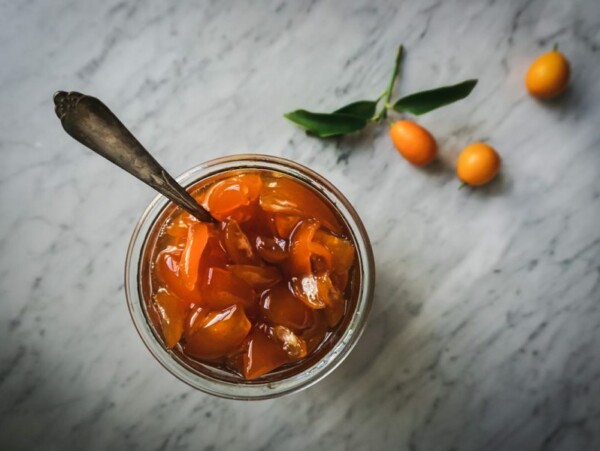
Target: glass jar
{"points": [[218, 382]]}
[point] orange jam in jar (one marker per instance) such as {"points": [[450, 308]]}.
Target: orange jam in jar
{"points": [[259, 290]]}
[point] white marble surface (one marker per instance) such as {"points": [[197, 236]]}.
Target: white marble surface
{"points": [[485, 333]]}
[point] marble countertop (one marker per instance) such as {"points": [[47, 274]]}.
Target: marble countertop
{"points": [[486, 324]]}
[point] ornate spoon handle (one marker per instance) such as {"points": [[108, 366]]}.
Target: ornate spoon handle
{"points": [[91, 123]]}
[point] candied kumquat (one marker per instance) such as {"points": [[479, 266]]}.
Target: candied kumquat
{"points": [[284, 195], [272, 250], [321, 251], [215, 255], [167, 271], [172, 312], [230, 198], [342, 251], [262, 355], [238, 245], [280, 306], [258, 277], [300, 242], [178, 229], [212, 335], [294, 346], [307, 290], [222, 289], [333, 299], [285, 224], [189, 266]]}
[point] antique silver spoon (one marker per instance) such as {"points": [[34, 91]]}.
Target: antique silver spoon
{"points": [[91, 123]]}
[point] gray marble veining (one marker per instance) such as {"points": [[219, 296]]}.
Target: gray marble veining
{"points": [[486, 325]]}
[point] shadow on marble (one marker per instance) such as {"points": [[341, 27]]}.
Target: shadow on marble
{"points": [[437, 168], [570, 98], [393, 309], [500, 186], [392, 312], [357, 142]]}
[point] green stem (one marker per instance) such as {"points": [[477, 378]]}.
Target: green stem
{"points": [[387, 94], [390, 88], [555, 47]]}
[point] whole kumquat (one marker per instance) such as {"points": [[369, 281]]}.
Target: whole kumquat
{"points": [[477, 164], [548, 75], [413, 142]]}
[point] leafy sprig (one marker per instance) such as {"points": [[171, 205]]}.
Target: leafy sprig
{"points": [[357, 115]]}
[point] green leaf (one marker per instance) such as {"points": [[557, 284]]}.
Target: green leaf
{"points": [[425, 101], [326, 125], [363, 108]]}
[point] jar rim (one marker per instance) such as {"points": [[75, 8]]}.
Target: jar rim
{"points": [[254, 390]]}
